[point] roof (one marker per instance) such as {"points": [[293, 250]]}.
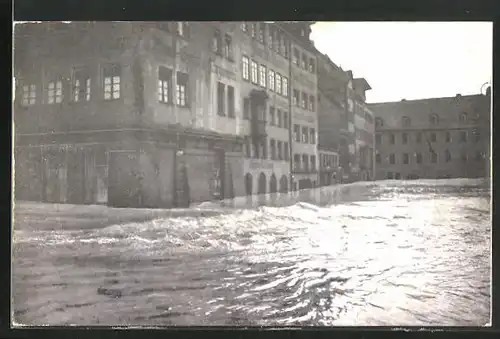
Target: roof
{"points": [[361, 83]]}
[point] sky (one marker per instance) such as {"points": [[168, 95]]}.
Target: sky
{"points": [[411, 60]]}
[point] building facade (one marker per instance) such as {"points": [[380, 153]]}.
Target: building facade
{"points": [[162, 114], [433, 138]]}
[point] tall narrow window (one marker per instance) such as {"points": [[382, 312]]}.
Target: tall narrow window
{"points": [[230, 101], [296, 162], [246, 108], [312, 138], [447, 156], [463, 118], [164, 84], [279, 121], [303, 61], [217, 42], [29, 95], [272, 118], [296, 132], [406, 158], [282, 46], [284, 86], [477, 135], [305, 135], [112, 83], [81, 85], [55, 92], [245, 65], [271, 79], [254, 73], [262, 77], [304, 101], [312, 67], [392, 159], [228, 47], [448, 137], [464, 156], [463, 136], [253, 30], [311, 103], [181, 89], [272, 146], [296, 56], [434, 119], [296, 98], [313, 163], [280, 150], [278, 83], [419, 158], [276, 41], [285, 120], [270, 38], [305, 162], [221, 89], [286, 154], [244, 26], [378, 158], [261, 32], [433, 137], [405, 138], [406, 121]]}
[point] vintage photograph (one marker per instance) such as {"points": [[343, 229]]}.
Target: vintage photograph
{"points": [[278, 173]]}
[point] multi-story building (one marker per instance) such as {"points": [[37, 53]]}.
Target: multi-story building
{"points": [[162, 114], [122, 113], [433, 138]]}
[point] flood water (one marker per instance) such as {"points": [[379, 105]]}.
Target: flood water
{"points": [[406, 253]]}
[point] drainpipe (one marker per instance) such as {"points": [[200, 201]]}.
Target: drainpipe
{"points": [[290, 113]]}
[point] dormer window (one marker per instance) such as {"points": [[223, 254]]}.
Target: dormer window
{"points": [[406, 121], [463, 118], [434, 119], [379, 122]]}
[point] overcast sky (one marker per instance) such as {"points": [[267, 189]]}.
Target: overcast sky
{"points": [[409, 60]]}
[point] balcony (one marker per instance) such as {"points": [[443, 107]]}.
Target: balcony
{"points": [[258, 128]]}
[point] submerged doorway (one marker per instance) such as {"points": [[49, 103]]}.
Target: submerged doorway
{"points": [[262, 189]]}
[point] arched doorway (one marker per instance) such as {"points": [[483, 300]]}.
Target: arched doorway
{"points": [[273, 188], [262, 189], [284, 184], [248, 187]]}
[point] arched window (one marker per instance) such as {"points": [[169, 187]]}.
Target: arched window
{"points": [[406, 121], [434, 119], [379, 122], [463, 118]]}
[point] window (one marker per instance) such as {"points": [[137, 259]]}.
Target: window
{"points": [[312, 67], [464, 156], [230, 102], [433, 137], [272, 146], [271, 79], [296, 132], [433, 157], [285, 120], [246, 108], [304, 100], [285, 151], [276, 41], [305, 162], [419, 158], [303, 61], [217, 42], [284, 48], [311, 103], [405, 138], [379, 122], [253, 30], [270, 40], [254, 72], [434, 119], [181, 89], [112, 76], [81, 85], [313, 136], [313, 163], [182, 28], [305, 135], [406, 121], [262, 77], [261, 32], [463, 118], [228, 47], [392, 139], [278, 83], [378, 158], [272, 118], [247, 147], [463, 136], [448, 137], [378, 139], [280, 150], [296, 56], [29, 95], [284, 86], [164, 84], [221, 88], [390, 175], [244, 27], [477, 135], [406, 158], [245, 63], [392, 159], [479, 156], [447, 156], [296, 162], [279, 121], [296, 99], [55, 92], [419, 137]]}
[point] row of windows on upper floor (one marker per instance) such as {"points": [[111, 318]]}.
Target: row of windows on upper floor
{"points": [[304, 135], [329, 160], [304, 162], [433, 157], [81, 87], [433, 119], [276, 41], [433, 137], [279, 150], [267, 78]]}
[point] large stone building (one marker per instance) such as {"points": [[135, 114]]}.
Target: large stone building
{"points": [[161, 114], [433, 138]]}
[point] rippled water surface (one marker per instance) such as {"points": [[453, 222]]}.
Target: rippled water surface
{"points": [[407, 253]]}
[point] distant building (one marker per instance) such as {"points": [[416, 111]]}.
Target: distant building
{"points": [[163, 114], [433, 138]]}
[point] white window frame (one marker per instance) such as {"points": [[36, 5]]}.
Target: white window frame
{"points": [[284, 86], [112, 86], [271, 80], [54, 92], [254, 72], [29, 95], [246, 67], [262, 75], [278, 83]]}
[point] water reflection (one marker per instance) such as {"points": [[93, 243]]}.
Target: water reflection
{"points": [[389, 253]]}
